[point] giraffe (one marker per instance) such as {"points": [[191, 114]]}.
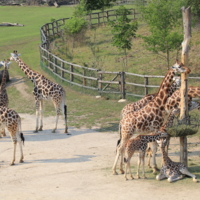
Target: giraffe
{"points": [[11, 120], [150, 118], [3, 93], [44, 89], [134, 106], [172, 170], [140, 144]]}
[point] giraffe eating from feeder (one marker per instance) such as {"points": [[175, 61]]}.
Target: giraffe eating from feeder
{"points": [[151, 117]]}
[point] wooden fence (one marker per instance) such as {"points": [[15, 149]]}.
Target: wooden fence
{"points": [[123, 84]]}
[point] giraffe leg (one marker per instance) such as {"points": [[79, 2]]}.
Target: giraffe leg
{"points": [[128, 166], [175, 177], [143, 165], [115, 163], [138, 169], [14, 150], [162, 175], [41, 115], [37, 115], [154, 150], [120, 150], [186, 172], [64, 111], [121, 162], [57, 108], [21, 151]]}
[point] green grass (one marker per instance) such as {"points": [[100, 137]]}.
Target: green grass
{"points": [[84, 110]]}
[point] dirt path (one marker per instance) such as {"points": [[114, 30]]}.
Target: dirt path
{"points": [[78, 166]]}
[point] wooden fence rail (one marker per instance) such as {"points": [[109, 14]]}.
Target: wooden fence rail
{"points": [[120, 83]]}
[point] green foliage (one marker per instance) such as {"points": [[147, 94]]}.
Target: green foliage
{"points": [[80, 9], [195, 6], [98, 4], [162, 17], [180, 128], [123, 30], [75, 25]]}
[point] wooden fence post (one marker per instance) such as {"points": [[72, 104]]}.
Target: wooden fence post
{"points": [[99, 83], [55, 65], [123, 85], [84, 79], [146, 82], [71, 75], [62, 72]]}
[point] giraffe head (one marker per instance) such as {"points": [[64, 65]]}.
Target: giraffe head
{"points": [[14, 55], [162, 142], [5, 64], [163, 133], [179, 67]]}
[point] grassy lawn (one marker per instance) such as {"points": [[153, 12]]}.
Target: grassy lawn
{"points": [[84, 110]]}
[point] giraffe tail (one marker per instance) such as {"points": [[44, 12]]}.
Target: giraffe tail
{"points": [[19, 129], [22, 137], [65, 112], [125, 160], [119, 140]]}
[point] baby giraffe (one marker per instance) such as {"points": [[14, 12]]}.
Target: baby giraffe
{"points": [[139, 145], [172, 170]]}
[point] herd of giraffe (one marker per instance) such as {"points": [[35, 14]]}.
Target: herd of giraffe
{"points": [[145, 116], [44, 89]]}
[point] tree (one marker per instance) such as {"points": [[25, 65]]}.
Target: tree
{"points": [[99, 4], [123, 31], [162, 17], [195, 6]]}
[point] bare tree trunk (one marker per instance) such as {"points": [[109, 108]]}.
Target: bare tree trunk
{"points": [[186, 12]]}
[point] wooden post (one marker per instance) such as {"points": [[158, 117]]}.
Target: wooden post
{"points": [[123, 85], [71, 75], [186, 13], [62, 72], [84, 79], [146, 82], [99, 83]]}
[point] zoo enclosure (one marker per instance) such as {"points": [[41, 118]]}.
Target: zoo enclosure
{"points": [[124, 84]]}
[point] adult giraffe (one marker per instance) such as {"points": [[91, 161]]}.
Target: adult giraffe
{"points": [[3, 93], [44, 89], [151, 117]]}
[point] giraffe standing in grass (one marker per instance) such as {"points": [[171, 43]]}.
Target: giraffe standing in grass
{"points": [[44, 89], [3, 93], [150, 118]]}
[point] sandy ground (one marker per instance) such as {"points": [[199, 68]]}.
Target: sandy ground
{"points": [[77, 166]]}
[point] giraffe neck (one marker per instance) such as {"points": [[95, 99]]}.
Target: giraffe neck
{"points": [[32, 75], [3, 81], [165, 157], [163, 93], [169, 121], [173, 88], [152, 138]]}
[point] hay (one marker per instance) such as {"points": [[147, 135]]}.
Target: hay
{"points": [[184, 128]]}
